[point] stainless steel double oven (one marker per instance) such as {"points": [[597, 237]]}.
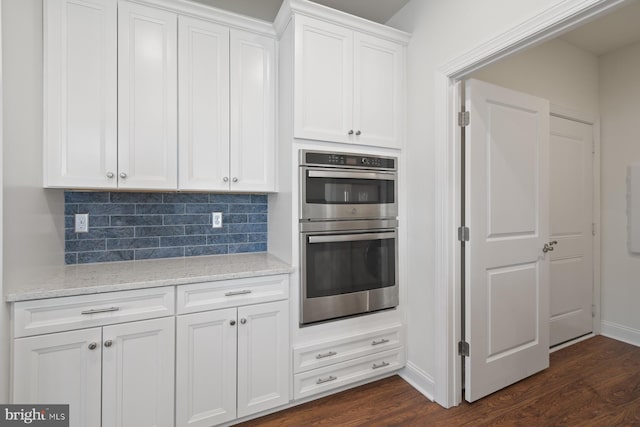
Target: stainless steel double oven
{"points": [[348, 235]]}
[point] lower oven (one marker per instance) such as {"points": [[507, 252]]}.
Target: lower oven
{"points": [[347, 268]]}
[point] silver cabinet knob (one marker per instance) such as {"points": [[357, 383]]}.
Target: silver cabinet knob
{"points": [[350, 132], [108, 343], [358, 133], [123, 175], [93, 346], [234, 179], [110, 175], [243, 320], [225, 179], [232, 322]]}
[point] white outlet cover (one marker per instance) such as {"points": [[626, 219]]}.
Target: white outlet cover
{"points": [[82, 223], [216, 219]]}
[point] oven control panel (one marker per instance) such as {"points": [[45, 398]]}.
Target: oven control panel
{"points": [[322, 158]]}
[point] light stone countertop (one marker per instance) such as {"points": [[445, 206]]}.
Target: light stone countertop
{"points": [[117, 276]]}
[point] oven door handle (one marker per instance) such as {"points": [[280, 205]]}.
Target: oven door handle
{"points": [[351, 175], [351, 237]]}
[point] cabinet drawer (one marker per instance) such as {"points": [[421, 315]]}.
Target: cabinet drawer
{"points": [[341, 374], [66, 313], [231, 293], [330, 352]]}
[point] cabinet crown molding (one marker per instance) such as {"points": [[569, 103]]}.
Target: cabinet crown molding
{"points": [[219, 16], [305, 7]]}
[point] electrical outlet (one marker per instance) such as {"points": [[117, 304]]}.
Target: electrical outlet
{"points": [[216, 219], [82, 223]]}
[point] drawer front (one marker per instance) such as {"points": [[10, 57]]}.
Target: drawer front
{"points": [[231, 293], [67, 313], [345, 373], [327, 353]]}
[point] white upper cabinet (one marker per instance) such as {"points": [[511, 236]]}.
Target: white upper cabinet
{"points": [[204, 105], [80, 90], [349, 86], [147, 98], [253, 151], [227, 105], [323, 81]]}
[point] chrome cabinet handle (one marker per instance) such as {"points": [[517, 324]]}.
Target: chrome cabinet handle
{"points": [[326, 380], [123, 175], [358, 133], [350, 132], [548, 247], [243, 321], [381, 365], [382, 341], [110, 175], [232, 322], [108, 343], [225, 179], [234, 179], [230, 294], [93, 346], [100, 310], [323, 355]]}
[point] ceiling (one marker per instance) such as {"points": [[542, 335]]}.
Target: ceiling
{"points": [[609, 33], [373, 10]]}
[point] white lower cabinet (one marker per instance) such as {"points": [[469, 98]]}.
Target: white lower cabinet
{"points": [[326, 365], [231, 363], [119, 375]]}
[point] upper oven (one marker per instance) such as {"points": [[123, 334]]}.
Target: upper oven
{"points": [[341, 186]]}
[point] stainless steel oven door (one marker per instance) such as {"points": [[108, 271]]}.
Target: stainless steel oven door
{"points": [[338, 194], [347, 273]]}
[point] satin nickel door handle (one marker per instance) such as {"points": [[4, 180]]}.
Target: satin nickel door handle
{"points": [[548, 247], [93, 346], [323, 355], [100, 310], [382, 341], [232, 293], [381, 365], [108, 343], [326, 380]]}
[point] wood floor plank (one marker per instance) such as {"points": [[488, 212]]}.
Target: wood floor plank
{"points": [[593, 383]]}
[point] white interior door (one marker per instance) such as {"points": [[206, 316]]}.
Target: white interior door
{"points": [[571, 197], [506, 210]]}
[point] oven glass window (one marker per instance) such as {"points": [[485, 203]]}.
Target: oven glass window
{"points": [[342, 191], [335, 268]]}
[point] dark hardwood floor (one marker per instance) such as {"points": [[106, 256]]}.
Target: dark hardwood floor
{"points": [[593, 383]]}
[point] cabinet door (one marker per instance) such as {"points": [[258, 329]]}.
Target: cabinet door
{"points": [[80, 85], [378, 91], [60, 368], [206, 368], [203, 71], [147, 98], [138, 373], [323, 81], [263, 357], [253, 155]]}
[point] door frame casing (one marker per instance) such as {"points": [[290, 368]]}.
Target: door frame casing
{"points": [[546, 25]]}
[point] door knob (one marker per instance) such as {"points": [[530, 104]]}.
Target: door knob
{"points": [[350, 132], [93, 346], [548, 247], [108, 343], [358, 133]]}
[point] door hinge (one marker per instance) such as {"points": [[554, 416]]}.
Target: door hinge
{"points": [[593, 310], [463, 348], [463, 118], [593, 228], [463, 234]]}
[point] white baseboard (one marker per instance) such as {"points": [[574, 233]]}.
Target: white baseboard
{"points": [[418, 379], [620, 332]]}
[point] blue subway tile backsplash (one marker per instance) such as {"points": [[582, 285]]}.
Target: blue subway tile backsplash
{"points": [[136, 226]]}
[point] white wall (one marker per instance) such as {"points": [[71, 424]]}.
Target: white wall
{"points": [[557, 71], [4, 312], [620, 110], [442, 30], [33, 217]]}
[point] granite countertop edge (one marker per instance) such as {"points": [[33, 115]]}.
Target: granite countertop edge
{"points": [[67, 281]]}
